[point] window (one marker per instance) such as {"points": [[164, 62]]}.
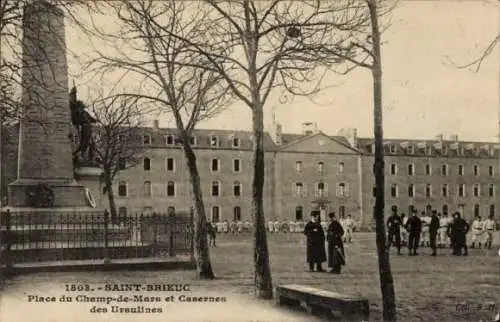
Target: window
{"points": [[214, 141], [394, 190], [393, 149], [147, 189], [444, 170], [122, 164], [491, 190], [171, 211], [237, 213], [410, 169], [394, 169], [170, 164], [429, 150], [298, 166], [171, 189], [342, 190], [147, 140], [461, 190], [341, 211], [237, 165], [215, 214], [147, 164], [321, 189], [192, 140], [299, 189], [122, 211], [492, 210], [476, 190], [411, 190], [476, 210], [169, 140], [215, 188], [122, 189], [410, 149], [341, 167], [428, 169], [445, 150], [299, 213], [460, 170], [491, 171], [236, 142], [428, 190], [475, 169], [237, 189], [444, 190], [444, 209], [320, 166], [215, 165]]}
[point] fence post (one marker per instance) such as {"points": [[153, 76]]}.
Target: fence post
{"points": [[106, 241], [171, 220]]}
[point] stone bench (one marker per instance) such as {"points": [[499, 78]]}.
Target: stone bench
{"points": [[310, 298]]}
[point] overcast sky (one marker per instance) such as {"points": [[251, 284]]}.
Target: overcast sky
{"points": [[424, 93]]}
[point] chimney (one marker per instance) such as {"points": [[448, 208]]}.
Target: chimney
{"points": [[439, 137], [156, 124], [307, 128], [277, 135], [454, 137]]}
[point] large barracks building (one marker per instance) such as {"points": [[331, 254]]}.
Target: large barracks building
{"points": [[304, 171]]}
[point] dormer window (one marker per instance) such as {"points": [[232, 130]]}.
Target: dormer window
{"points": [[214, 141], [392, 148], [169, 140], [236, 142], [410, 149]]}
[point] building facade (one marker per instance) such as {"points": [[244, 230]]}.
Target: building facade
{"points": [[310, 170]]}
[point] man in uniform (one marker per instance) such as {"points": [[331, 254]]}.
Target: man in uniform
{"points": [[348, 226], [433, 230], [477, 230], [414, 227], [316, 253], [443, 230], [459, 230], [489, 227], [394, 229]]}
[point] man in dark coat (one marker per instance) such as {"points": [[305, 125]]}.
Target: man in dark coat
{"points": [[315, 234], [414, 228], [433, 231], [336, 255], [394, 229], [459, 229], [211, 234]]}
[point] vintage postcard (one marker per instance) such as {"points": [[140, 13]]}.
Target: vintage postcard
{"points": [[249, 160]]}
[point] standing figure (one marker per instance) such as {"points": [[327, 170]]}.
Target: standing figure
{"points": [[394, 227], [424, 235], [404, 233], [443, 230], [336, 255], [477, 230], [342, 223], [433, 231], [211, 232], [414, 227], [489, 227], [349, 226], [315, 234], [451, 220], [459, 230]]}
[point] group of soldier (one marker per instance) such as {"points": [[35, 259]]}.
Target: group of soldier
{"points": [[437, 231]]}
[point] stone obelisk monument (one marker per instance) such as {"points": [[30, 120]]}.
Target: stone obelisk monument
{"points": [[45, 163]]}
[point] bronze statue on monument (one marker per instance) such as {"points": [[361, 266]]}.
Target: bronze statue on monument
{"points": [[82, 120]]}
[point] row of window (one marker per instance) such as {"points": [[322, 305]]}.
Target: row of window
{"points": [[320, 166], [444, 169], [476, 209], [215, 165], [215, 189], [441, 150], [299, 212], [320, 189], [213, 140], [445, 191]]}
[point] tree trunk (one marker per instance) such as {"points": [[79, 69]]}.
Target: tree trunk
{"points": [[386, 281], [263, 280], [108, 182], [202, 253]]}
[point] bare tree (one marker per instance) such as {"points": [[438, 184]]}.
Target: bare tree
{"points": [[167, 72], [116, 143], [259, 46]]}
